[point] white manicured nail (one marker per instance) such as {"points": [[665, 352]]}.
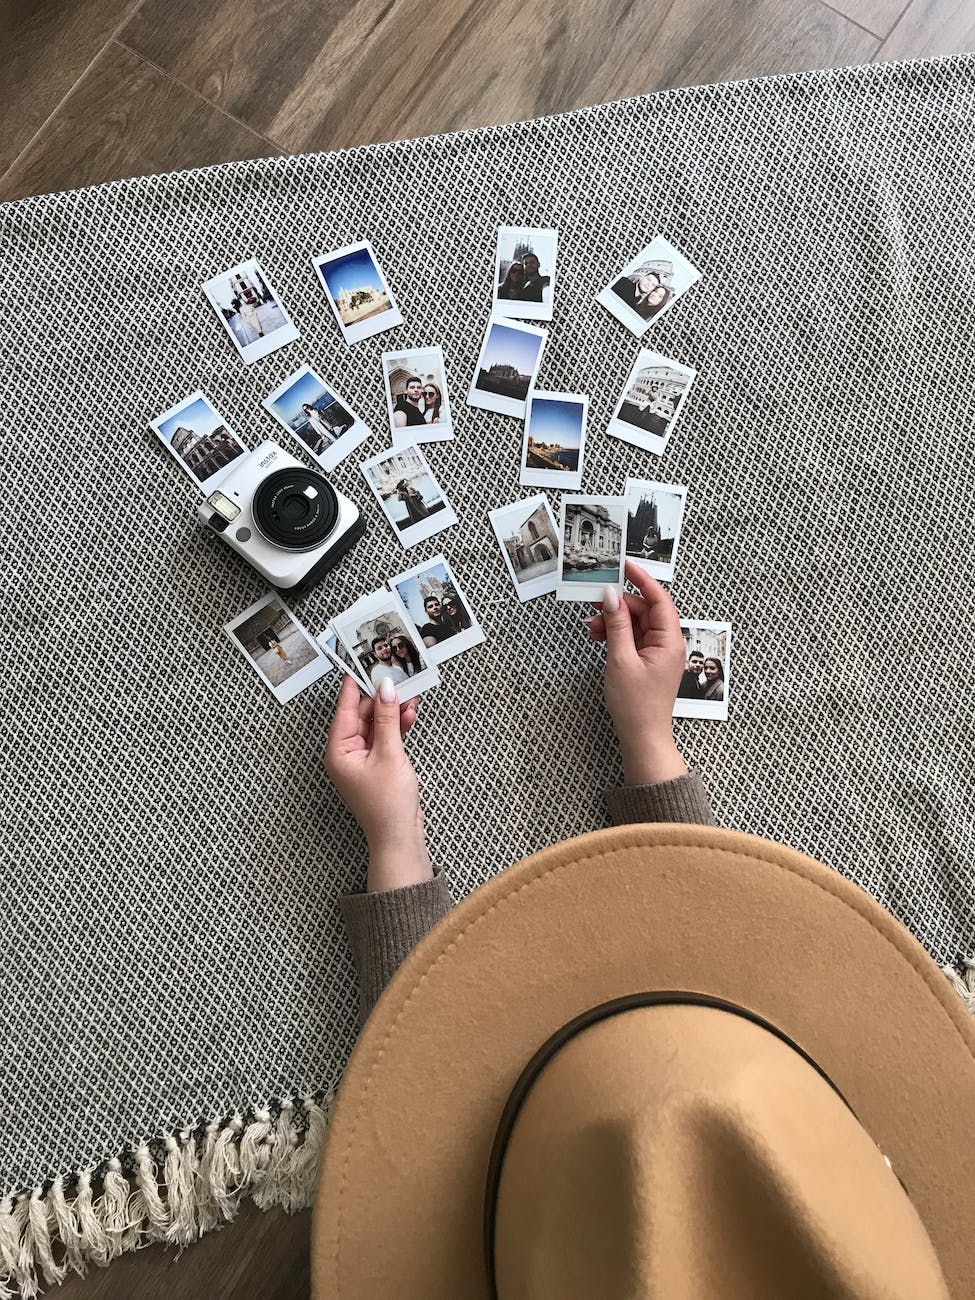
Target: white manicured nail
{"points": [[611, 599], [387, 691]]}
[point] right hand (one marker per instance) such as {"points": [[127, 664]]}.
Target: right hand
{"points": [[644, 663]]}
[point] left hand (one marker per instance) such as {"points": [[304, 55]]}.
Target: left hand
{"points": [[367, 762]]}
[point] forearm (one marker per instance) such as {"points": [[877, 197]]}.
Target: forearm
{"points": [[681, 798]]}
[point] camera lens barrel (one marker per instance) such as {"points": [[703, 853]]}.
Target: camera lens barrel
{"points": [[295, 508]]}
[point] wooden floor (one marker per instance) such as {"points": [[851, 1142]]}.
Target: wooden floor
{"points": [[95, 90]]}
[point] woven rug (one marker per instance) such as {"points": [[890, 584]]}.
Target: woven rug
{"points": [[179, 997]]}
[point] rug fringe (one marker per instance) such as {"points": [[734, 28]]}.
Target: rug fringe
{"points": [[963, 982], [173, 1190]]}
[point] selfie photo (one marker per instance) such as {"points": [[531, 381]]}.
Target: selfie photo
{"points": [[384, 642], [438, 607], [648, 286], [704, 683], [416, 396], [524, 276]]}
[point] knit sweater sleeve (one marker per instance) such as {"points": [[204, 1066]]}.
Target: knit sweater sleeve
{"points": [[385, 925], [684, 799]]}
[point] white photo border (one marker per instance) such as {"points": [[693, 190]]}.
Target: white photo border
{"points": [[411, 433], [657, 568], [378, 602], [544, 584], [524, 310], [279, 338], [569, 481], [684, 271], [343, 446], [497, 402], [643, 438], [589, 591], [460, 641], [716, 710], [365, 329], [210, 484], [424, 528], [304, 677]]}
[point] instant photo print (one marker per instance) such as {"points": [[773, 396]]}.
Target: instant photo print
{"points": [[507, 366], [277, 647], [524, 273], [417, 403], [655, 515], [591, 553], [704, 685], [251, 311], [528, 537], [648, 286], [554, 442], [340, 658], [651, 401], [321, 422], [383, 641], [361, 300], [199, 437], [439, 608], [410, 496]]}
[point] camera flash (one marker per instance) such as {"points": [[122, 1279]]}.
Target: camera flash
{"points": [[224, 506]]}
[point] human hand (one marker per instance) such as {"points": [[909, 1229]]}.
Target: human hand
{"points": [[366, 761], [644, 662]]}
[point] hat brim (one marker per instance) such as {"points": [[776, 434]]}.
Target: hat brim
{"points": [[635, 908]]}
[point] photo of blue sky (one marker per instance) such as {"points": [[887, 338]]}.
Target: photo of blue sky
{"points": [[198, 416], [508, 346], [352, 271], [556, 421], [308, 389]]}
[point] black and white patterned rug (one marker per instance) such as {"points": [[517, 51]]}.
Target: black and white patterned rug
{"points": [[178, 992]]}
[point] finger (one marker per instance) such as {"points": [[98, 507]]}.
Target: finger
{"points": [[408, 716], [345, 723], [619, 625], [661, 614], [386, 736], [597, 627], [365, 716]]}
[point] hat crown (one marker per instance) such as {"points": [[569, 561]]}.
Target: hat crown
{"points": [[684, 1150]]}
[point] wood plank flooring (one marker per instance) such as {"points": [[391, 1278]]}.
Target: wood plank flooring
{"points": [[103, 89]]}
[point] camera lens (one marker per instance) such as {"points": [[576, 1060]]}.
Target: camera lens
{"points": [[295, 508]]}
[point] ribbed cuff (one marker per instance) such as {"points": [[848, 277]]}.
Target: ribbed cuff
{"points": [[384, 926], [683, 799]]}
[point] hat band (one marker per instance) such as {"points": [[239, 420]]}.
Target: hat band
{"points": [[557, 1041]]}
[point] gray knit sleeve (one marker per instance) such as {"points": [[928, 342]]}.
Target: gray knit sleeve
{"points": [[385, 925], [684, 799]]}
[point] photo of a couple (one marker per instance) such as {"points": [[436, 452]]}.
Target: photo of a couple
{"points": [[525, 273], [391, 654], [703, 678], [646, 289], [416, 395]]}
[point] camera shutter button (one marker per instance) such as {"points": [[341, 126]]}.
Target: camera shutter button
{"points": [[243, 534]]}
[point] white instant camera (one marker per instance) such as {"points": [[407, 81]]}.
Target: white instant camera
{"points": [[283, 518]]}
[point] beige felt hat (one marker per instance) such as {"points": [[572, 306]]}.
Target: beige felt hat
{"points": [[657, 1060]]}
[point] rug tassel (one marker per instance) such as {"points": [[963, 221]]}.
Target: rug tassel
{"points": [[94, 1240], [225, 1177], [274, 1189], [254, 1151], [37, 1240], [24, 1273], [207, 1214], [113, 1207], [9, 1248], [179, 1177], [67, 1225], [304, 1168], [155, 1215], [964, 984]]}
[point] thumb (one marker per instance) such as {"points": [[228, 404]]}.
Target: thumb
{"points": [[619, 628], [385, 718]]}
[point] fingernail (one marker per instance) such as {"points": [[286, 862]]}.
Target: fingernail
{"points": [[611, 599], [387, 691]]}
